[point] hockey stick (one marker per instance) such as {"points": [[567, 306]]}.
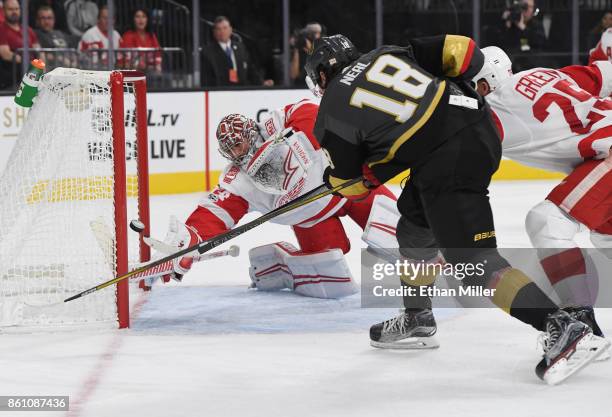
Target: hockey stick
{"points": [[104, 237], [202, 247], [167, 267]]}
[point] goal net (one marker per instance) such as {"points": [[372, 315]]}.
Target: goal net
{"points": [[77, 173]]}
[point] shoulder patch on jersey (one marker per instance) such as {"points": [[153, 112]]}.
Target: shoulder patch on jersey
{"points": [[231, 174], [218, 194], [270, 127]]}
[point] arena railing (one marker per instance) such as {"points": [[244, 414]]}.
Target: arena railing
{"points": [[526, 60], [168, 19], [53, 57], [165, 67], [549, 5]]}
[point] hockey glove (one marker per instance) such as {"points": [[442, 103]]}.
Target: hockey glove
{"points": [[180, 236], [355, 192], [369, 180]]}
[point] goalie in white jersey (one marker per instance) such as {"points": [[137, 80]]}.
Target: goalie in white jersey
{"points": [[272, 163], [559, 120]]}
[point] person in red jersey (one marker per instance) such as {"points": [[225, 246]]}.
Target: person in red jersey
{"points": [[141, 36], [556, 119], [270, 164]]}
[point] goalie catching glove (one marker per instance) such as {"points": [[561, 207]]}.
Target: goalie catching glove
{"points": [[179, 236]]}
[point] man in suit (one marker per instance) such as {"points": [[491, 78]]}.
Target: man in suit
{"points": [[226, 61]]}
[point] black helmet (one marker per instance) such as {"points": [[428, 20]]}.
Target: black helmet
{"points": [[330, 55]]}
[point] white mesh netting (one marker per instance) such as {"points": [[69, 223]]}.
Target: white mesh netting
{"points": [[57, 216]]}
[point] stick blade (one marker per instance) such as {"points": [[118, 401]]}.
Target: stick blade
{"points": [[81, 294], [74, 297]]}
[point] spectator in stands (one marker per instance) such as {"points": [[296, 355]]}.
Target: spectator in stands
{"points": [[141, 36], [301, 43], [10, 40], [80, 16], [226, 61], [97, 38], [522, 32], [57, 6], [595, 33], [49, 37]]}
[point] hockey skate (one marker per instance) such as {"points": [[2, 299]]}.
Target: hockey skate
{"points": [[586, 315], [569, 345], [409, 330]]}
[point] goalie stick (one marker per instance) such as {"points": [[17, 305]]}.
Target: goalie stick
{"points": [[202, 247], [167, 267], [105, 239]]}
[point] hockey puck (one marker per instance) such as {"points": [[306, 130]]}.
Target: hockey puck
{"points": [[234, 250], [137, 226]]}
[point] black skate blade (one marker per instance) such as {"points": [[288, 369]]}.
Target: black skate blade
{"points": [[410, 343]]}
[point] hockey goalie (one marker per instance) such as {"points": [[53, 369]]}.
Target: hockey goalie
{"points": [[270, 164]]}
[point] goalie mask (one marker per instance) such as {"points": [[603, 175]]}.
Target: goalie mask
{"points": [[330, 55], [238, 137]]}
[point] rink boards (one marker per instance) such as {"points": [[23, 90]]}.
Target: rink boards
{"points": [[183, 155]]}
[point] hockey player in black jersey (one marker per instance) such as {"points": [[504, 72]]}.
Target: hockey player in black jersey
{"points": [[398, 108]]}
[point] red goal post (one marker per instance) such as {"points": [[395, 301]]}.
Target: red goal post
{"points": [[120, 81]]}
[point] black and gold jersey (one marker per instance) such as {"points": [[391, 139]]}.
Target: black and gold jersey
{"points": [[389, 108]]}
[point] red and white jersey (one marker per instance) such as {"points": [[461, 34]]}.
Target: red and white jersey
{"points": [[603, 50], [555, 119], [283, 168], [94, 38]]}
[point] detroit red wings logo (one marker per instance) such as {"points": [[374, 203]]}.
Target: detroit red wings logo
{"points": [[270, 127], [294, 193]]}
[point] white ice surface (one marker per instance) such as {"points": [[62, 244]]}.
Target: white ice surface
{"points": [[210, 347]]}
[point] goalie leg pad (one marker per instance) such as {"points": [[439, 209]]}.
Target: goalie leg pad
{"points": [[380, 229], [321, 275], [268, 270], [280, 265], [360, 211]]}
